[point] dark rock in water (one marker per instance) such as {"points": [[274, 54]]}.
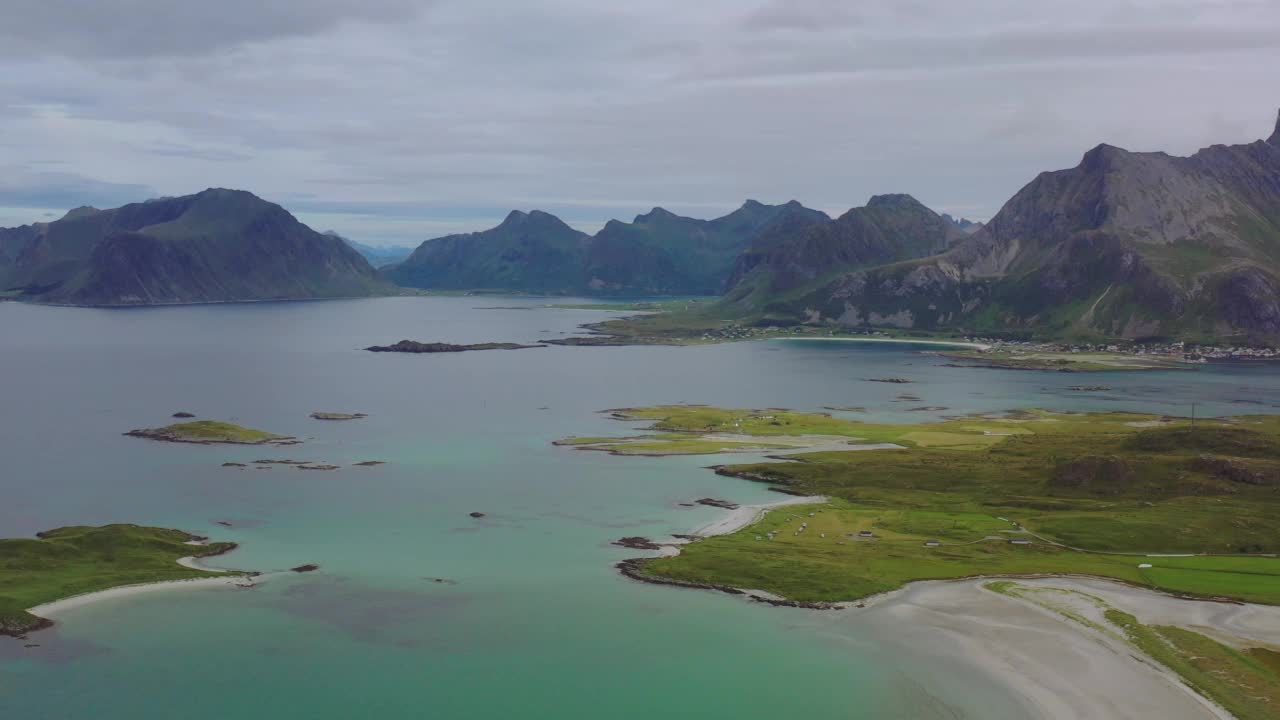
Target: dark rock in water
{"points": [[31, 645], [718, 503], [305, 568], [318, 415], [223, 523], [477, 514], [442, 581], [928, 408], [183, 415], [895, 380], [637, 543], [317, 467], [281, 462], [1089, 388], [233, 464], [371, 463], [690, 538], [411, 346]]}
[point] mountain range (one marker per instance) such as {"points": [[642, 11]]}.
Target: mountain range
{"points": [[378, 256], [213, 246], [658, 253], [1136, 245], [1124, 245]]}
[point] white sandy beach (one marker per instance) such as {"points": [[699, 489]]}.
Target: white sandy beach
{"points": [[57, 607], [1058, 668], [745, 515]]}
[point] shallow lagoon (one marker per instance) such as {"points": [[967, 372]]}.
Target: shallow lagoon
{"points": [[537, 624]]}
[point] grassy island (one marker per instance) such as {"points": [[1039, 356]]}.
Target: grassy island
{"points": [[208, 432], [1148, 500], [72, 561]]}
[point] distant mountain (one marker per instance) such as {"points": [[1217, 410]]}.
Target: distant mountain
{"points": [[530, 252], [377, 256], [217, 245], [659, 253], [800, 249], [966, 226], [1124, 245]]}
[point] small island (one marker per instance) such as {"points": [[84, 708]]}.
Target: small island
{"points": [[319, 415], [210, 432], [72, 561], [411, 346]]}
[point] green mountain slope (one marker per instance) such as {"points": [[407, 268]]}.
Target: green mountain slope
{"points": [[659, 253], [534, 252], [799, 249], [1125, 245], [214, 246]]}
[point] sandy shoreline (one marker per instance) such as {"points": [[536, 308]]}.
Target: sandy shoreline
{"points": [[746, 515], [1054, 667], [947, 343], [1057, 668], [57, 607]]}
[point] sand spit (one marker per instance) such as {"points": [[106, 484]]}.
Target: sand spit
{"points": [[1058, 668]]}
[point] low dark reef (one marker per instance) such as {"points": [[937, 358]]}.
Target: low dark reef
{"points": [[411, 346]]}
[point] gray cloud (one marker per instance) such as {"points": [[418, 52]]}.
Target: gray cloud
{"points": [[388, 122], [143, 28]]}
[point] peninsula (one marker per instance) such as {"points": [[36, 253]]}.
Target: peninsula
{"points": [[1174, 511], [73, 561]]}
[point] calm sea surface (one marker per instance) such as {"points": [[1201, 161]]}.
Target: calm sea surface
{"points": [[536, 624]]}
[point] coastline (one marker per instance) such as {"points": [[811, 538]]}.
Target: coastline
{"points": [[911, 341], [1037, 652], [56, 607], [1044, 659]]}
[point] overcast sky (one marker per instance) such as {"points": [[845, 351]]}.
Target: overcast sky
{"points": [[393, 121]]}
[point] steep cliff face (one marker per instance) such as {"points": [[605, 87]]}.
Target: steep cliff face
{"points": [[798, 249], [1130, 245], [214, 246], [534, 252]]}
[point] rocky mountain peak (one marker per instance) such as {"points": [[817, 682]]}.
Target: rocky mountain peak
{"points": [[514, 217], [893, 200], [655, 214], [1275, 136]]}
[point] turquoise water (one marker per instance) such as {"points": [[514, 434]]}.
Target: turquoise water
{"points": [[536, 623]]}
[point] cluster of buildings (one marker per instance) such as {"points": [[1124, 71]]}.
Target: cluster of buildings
{"points": [[1175, 350]]}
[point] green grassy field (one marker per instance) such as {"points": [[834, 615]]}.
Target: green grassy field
{"points": [[1094, 493], [74, 560], [208, 431]]}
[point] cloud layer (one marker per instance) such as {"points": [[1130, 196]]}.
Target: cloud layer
{"points": [[393, 120]]}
